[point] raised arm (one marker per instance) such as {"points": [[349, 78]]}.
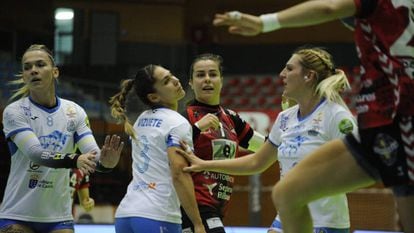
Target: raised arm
{"points": [[303, 14]]}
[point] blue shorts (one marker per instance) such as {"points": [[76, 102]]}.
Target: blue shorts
{"points": [[277, 226], [144, 225], [38, 227]]}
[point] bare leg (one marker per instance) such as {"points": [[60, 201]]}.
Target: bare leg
{"points": [[62, 231], [328, 171], [406, 212], [16, 228]]}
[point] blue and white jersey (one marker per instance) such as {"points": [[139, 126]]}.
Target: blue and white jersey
{"points": [[296, 138], [151, 193], [34, 192]]}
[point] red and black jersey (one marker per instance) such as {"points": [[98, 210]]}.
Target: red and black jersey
{"points": [[384, 36], [214, 189], [77, 181]]}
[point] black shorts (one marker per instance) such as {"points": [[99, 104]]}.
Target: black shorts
{"points": [[386, 152], [212, 221]]}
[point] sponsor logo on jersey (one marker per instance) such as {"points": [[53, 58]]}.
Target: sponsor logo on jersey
{"points": [[387, 148], [9, 119], [345, 126], [141, 186], [283, 123], [54, 141], [71, 112], [33, 166]]}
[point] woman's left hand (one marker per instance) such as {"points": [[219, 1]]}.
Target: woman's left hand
{"points": [[111, 151]]}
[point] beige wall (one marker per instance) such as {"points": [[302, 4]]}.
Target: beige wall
{"points": [[174, 21]]}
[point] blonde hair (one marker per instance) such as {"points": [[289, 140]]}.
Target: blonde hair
{"points": [[23, 91], [118, 109], [329, 80]]}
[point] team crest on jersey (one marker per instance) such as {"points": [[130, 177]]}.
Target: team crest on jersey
{"points": [[387, 148], [71, 127], [71, 112], [34, 179]]}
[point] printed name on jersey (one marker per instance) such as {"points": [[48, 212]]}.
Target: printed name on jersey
{"points": [[150, 122]]}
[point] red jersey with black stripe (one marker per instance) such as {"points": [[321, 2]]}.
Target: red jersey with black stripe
{"points": [[211, 188], [384, 36]]}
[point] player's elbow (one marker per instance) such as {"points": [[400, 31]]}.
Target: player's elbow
{"points": [[177, 171]]}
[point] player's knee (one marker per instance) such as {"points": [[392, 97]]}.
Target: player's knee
{"points": [[282, 197]]}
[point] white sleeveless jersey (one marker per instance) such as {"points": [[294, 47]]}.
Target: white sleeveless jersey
{"points": [[37, 193], [297, 138], [151, 193]]}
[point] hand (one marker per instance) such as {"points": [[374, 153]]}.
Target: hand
{"points": [[196, 163], [209, 121], [88, 204], [239, 23], [111, 151], [86, 163]]}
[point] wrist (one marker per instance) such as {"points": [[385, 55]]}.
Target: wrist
{"points": [[270, 22], [197, 126], [75, 161], [102, 168]]}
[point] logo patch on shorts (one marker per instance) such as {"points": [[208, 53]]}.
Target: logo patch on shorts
{"points": [[345, 126], [387, 148]]}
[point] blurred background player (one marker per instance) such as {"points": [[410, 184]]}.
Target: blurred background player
{"points": [[79, 185]]}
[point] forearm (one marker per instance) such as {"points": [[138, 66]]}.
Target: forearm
{"points": [[184, 187], [83, 194], [315, 12], [246, 165], [29, 144], [256, 141]]}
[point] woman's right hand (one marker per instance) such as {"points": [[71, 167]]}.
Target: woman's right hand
{"points": [[209, 121], [196, 164], [239, 23], [86, 162]]}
